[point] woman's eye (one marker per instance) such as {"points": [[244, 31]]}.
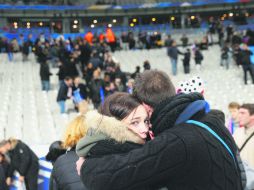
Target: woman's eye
{"points": [[147, 122], [135, 123]]}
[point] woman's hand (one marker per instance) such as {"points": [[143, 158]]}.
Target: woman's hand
{"points": [[79, 164]]}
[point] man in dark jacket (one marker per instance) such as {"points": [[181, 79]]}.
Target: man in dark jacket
{"points": [[95, 60], [245, 54], [25, 51], [64, 93], [70, 66], [45, 76], [182, 156], [225, 56], [173, 54], [85, 55], [23, 160], [96, 88]]}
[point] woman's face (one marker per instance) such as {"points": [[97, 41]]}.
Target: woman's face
{"points": [[138, 122]]}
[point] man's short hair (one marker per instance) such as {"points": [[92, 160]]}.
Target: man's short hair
{"points": [[152, 87], [233, 105], [249, 107], [67, 78]]}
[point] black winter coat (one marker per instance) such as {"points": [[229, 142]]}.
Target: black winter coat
{"points": [[42, 54], [245, 57], [85, 53], [62, 72], [186, 59], [181, 157], [3, 185], [44, 71], [198, 56], [70, 69], [64, 174], [106, 147], [173, 52], [22, 157], [95, 85]]}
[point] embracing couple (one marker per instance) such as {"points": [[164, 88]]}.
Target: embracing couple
{"points": [[191, 148]]}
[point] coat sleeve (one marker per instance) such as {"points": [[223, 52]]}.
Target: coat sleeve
{"points": [[154, 163], [52, 183], [25, 158], [169, 51], [10, 170]]}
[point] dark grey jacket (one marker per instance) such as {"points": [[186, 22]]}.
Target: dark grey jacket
{"points": [[64, 175], [173, 52]]}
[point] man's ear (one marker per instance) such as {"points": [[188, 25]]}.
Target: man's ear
{"points": [[252, 118]]}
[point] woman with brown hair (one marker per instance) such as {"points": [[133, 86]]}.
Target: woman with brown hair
{"points": [[121, 124]]}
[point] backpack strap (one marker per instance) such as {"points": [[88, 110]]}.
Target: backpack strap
{"points": [[246, 141], [192, 109], [204, 126]]}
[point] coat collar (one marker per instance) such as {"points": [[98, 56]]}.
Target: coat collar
{"points": [[166, 113], [101, 128], [109, 126]]}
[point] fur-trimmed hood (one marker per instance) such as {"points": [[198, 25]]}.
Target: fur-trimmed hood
{"points": [[111, 127], [102, 127]]}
